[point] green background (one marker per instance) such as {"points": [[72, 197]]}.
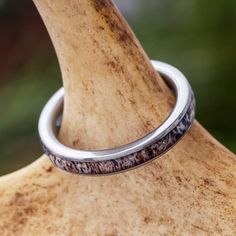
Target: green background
{"points": [[198, 37]]}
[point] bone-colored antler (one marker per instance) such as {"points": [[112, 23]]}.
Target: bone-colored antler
{"points": [[113, 96]]}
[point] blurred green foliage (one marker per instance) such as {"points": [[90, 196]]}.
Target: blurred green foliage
{"points": [[196, 36], [21, 100], [199, 38]]}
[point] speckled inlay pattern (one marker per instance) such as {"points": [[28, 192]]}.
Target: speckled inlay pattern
{"points": [[130, 161]]}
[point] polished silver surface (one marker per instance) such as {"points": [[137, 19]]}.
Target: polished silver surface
{"points": [[53, 109]]}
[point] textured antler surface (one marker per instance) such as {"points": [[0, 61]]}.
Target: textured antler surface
{"points": [[113, 96]]}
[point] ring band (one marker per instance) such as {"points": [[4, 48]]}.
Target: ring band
{"points": [[129, 156]]}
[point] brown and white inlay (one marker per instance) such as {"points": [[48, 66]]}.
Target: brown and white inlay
{"points": [[130, 161]]}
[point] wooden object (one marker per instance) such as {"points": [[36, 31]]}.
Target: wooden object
{"points": [[113, 96]]}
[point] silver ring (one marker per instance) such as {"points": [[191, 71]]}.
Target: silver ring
{"points": [[129, 156]]}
